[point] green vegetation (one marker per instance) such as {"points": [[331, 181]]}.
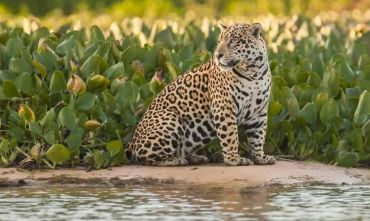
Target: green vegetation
{"points": [[166, 8], [72, 96]]}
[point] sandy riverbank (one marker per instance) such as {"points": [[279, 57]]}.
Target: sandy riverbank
{"points": [[284, 172]]}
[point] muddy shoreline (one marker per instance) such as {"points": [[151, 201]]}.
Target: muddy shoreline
{"points": [[282, 173]]}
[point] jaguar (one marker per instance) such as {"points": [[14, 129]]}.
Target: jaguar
{"points": [[211, 101]]}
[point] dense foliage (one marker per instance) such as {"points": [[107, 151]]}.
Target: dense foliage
{"points": [[165, 8], [73, 97]]}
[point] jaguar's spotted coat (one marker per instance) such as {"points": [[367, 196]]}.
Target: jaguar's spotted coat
{"points": [[211, 101]]}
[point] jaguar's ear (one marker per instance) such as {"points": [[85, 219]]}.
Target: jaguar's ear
{"points": [[256, 29], [223, 26]]}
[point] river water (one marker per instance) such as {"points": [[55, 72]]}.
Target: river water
{"points": [[173, 202]]}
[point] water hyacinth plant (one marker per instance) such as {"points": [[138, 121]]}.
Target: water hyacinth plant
{"points": [[73, 96]]}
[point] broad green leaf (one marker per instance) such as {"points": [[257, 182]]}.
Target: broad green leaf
{"points": [[138, 78], [40, 68], [58, 82], [361, 46], [19, 65], [96, 34], [50, 62], [67, 117], [321, 99], [279, 81], [4, 145], [355, 138], [65, 46], [347, 71], [17, 132], [41, 32], [74, 140], [25, 83], [13, 46], [115, 71], [82, 118], [306, 93], [7, 75], [362, 112], [353, 93], [127, 94], [10, 90], [347, 159], [292, 107], [274, 108], [166, 37], [128, 117], [114, 147], [98, 159], [145, 91], [97, 82], [86, 101], [331, 81], [58, 153], [36, 128], [93, 65], [314, 80], [172, 70], [366, 129], [48, 119], [109, 101], [308, 112], [329, 111], [49, 137]]}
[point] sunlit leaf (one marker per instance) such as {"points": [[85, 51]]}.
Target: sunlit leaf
{"points": [[114, 147], [40, 68], [10, 90], [274, 108], [97, 82], [98, 159], [362, 112], [58, 153]]}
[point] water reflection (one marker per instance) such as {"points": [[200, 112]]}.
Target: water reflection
{"points": [[186, 203]]}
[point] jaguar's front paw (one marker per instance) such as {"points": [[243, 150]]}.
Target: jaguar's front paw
{"points": [[173, 162], [265, 160], [240, 161], [196, 159]]}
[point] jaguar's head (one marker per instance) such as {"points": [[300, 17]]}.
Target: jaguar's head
{"points": [[240, 43]]}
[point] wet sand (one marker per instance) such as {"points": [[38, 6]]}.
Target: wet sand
{"points": [[282, 173]]}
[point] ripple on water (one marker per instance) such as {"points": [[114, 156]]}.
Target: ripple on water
{"points": [[184, 203]]}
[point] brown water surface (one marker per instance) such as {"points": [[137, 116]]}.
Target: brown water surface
{"points": [[348, 202]]}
